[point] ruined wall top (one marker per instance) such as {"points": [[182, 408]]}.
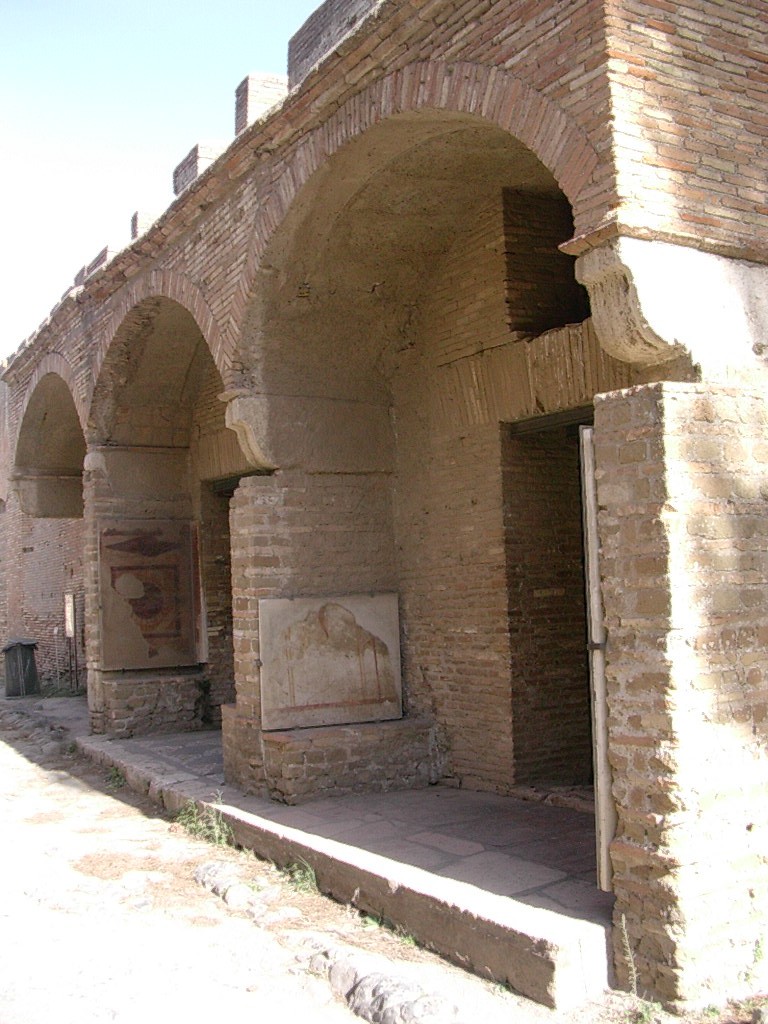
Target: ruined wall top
{"points": [[321, 32]]}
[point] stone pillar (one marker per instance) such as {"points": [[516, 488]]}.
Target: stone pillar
{"points": [[682, 483], [141, 677]]}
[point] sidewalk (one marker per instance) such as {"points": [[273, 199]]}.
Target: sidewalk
{"points": [[502, 886]]}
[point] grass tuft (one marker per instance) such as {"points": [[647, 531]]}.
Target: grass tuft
{"points": [[115, 778], [207, 824], [302, 876]]}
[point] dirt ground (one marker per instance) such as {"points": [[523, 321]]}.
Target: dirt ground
{"points": [[102, 919]]}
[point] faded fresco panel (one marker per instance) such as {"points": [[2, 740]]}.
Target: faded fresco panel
{"points": [[329, 660], [149, 603]]}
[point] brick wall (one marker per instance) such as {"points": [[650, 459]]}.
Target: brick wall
{"points": [[689, 89], [185, 466], [650, 116], [7, 550], [547, 617], [557, 48], [135, 484], [321, 32], [214, 450], [216, 581], [449, 524], [52, 563], [205, 251], [296, 534], [542, 292], [336, 760], [683, 470], [217, 462], [464, 583], [45, 557]]}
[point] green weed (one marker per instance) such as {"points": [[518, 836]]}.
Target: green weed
{"points": [[629, 957], [115, 778], [207, 824], [405, 937], [378, 921], [302, 876]]}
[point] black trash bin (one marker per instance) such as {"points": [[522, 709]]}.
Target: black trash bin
{"points": [[20, 668]]}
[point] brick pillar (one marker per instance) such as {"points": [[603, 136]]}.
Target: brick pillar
{"points": [[296, 534], [255, 95], [125, 484], [682, 479], [93, 483], [254, 535], [14, 531]]}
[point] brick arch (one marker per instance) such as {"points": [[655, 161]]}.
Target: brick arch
{"points": [[169, 284], [499, 98], [59, 365]]}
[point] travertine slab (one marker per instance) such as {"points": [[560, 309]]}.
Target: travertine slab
{"points": [[329, 660], [148, 594]]}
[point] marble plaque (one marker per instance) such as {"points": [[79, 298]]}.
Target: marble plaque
{"points": [[329, 660], [149, 602]]}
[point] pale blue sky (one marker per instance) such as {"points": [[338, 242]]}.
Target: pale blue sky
{"points": [[99, 100]]}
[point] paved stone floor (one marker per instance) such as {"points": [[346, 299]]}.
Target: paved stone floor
{"points": [[540, 855]]}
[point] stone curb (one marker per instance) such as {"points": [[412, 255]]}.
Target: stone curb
{"points": [[378, 995], [364, 981]]}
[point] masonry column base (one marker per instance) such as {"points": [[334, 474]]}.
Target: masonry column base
{"points": [[243, 754]]}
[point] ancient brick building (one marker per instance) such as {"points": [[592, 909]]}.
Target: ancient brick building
{"points": [[337, 389]]}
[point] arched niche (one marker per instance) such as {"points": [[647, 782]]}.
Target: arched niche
{"points": [[342, 282], [48, 465], [161, 466]]}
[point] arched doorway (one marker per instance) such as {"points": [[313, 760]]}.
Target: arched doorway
{"points": [[417, 283], [162, 466], [44, 529]]}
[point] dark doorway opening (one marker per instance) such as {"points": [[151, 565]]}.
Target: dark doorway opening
{"points": [[551, 710]]}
